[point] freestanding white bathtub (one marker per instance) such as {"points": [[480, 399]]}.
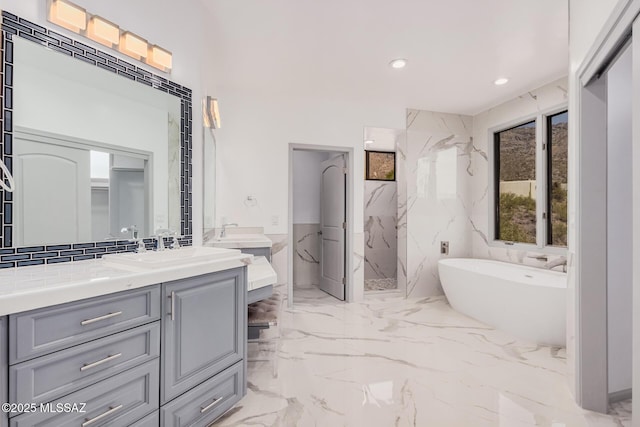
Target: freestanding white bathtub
{"points": [[528, 302]]}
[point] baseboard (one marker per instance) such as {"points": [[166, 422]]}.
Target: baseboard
{"points": [[619, 396]]}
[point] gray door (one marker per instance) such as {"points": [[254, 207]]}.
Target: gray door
{"points": [[333, 227], [203, 329]]}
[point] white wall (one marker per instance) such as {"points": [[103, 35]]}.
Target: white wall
{"points": [[307, 180], [181, 29], [254, 141], [586, 19], [619, 224]]}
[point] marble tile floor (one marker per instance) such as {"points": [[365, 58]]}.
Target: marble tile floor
{"points": [[395, 362], [380, 284]]}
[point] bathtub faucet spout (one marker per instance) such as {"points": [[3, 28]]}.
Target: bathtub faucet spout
{"points": [[560, 261]]}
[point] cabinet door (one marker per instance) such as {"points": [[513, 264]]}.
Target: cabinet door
{"points": [[204, 327], [4, 374]]}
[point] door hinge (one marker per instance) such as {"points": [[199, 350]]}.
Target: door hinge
{"points": [[544, 146], [344, 225], [344, 281]]}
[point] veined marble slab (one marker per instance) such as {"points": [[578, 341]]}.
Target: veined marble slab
{"points": [[392, 361], [28, 288]]}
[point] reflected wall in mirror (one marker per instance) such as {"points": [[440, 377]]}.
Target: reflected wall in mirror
{"points": [[72, 108], [100, 149]]}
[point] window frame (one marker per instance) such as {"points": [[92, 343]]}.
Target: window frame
{"points": [[542, 180], [366, 168]]}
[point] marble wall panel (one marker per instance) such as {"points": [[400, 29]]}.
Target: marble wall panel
{"points": [[380, 233], [306, 256], [433, 203]]}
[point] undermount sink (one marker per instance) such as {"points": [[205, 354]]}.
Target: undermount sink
{"points": [[242, 241], [169, 257]]}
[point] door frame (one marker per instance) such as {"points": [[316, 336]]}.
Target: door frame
{"points": [[590, 127], [349, 244]]}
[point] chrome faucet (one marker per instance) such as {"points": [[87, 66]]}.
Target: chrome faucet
{"points": [[132, 229], [223, 232], [560, 261], [161, 233]]}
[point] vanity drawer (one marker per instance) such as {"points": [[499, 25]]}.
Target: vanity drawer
{"points": [[203, 404], [117, 401], [37, 332], [49, 377]]}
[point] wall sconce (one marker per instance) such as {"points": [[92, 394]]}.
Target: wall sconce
{"points": [[210, 113], [67, 15], [104, 32], [159, 58], [133, 46], [76, 19]]}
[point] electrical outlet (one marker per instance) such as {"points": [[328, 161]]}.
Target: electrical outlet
{"points": [[275, 220], [444, 248]]}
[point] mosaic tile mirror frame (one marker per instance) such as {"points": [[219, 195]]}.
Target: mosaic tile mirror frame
{"points": [[11, 256]]}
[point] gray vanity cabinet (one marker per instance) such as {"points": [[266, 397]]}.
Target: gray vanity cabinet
{"points": [[203, 329], [4, 374]]}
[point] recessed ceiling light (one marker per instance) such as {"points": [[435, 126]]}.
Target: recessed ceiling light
{"points": [[369, 141], [501, 81], [398, 63]]}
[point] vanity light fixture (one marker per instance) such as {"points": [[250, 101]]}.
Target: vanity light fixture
{"points": [[501, 81], [133, 46], [210, 113], [67, 15], [102, 31], [398, 63], [159, 58], [77, 19], [369, 141]]}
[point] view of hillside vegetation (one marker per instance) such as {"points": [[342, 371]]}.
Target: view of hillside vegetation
{"points": [[380, 166], [517, 209]]}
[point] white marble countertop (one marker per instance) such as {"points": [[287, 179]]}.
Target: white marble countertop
{"points": [[241, 241], [261, 274], [28, 288]]}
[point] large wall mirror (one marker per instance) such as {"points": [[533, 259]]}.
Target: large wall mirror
{"points": [[100, 150]]}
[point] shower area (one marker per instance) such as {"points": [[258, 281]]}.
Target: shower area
{"points": [[380, 210]]}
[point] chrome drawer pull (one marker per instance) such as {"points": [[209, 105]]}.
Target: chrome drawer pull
{"points": [[111, 410], [97, 319], [100, 362], [173, 304], [210, 405]]}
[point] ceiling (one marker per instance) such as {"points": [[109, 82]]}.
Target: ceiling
{"points": [[342, 48]]}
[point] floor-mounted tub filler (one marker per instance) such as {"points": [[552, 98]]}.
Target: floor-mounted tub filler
{"points": [[528, 302]]}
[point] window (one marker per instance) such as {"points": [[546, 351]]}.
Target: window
{"points": [[530, 182], [515, 190], [380, 165], [557, 140]]}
